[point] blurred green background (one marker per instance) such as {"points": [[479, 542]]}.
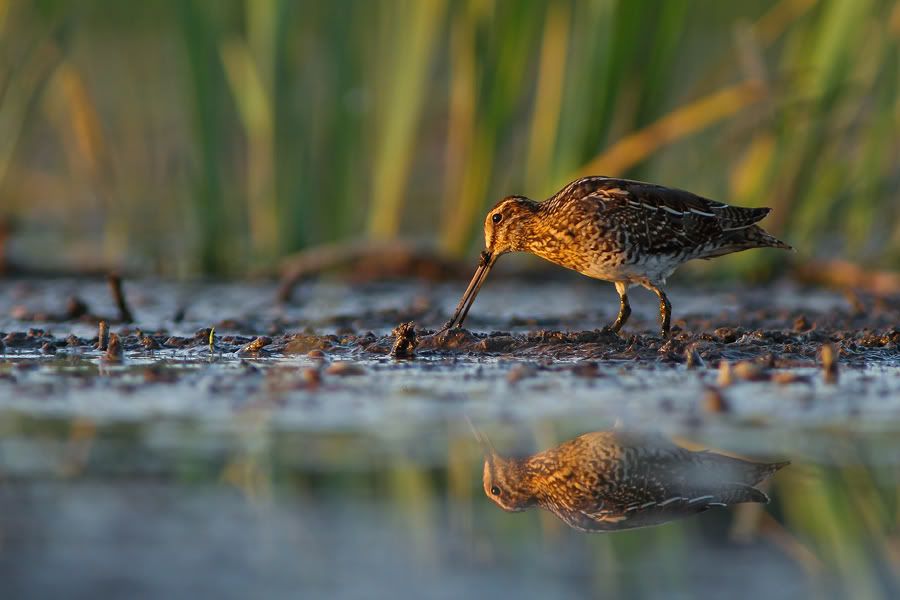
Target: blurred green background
{"points": [[182, 137]]}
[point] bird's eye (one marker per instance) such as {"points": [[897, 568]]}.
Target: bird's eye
{"points": [[497, 217], [495, 490]]}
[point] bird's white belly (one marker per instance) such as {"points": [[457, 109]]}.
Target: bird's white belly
{"points": [[651, 269]]}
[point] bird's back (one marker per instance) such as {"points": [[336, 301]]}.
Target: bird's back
{"points": [[641, 221], [617, 480]]}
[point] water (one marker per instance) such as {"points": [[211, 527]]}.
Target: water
{"points": [[190, 472]]}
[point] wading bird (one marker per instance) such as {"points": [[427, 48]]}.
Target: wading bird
{"points": [[611, 480], [617, 230]]}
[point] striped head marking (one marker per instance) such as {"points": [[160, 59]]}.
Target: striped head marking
{"points": [[504, 485], [506, 225]]}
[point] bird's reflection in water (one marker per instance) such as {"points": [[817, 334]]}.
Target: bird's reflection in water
{"points": [[612, 480]]}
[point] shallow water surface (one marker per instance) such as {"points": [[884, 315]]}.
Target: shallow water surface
{"points": [[318, 464]]}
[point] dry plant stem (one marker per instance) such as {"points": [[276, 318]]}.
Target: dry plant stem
{"points": [[102, 336], [115, 288]]}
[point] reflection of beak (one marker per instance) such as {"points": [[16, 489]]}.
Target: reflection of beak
{"points": [[486, 446], [465, 303]]}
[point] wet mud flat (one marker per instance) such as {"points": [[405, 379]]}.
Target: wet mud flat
{"points": [[354, 354]]}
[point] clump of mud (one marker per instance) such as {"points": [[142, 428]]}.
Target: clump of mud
{"points": [[405, 341]]}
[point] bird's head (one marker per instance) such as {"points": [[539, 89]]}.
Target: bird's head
{"points": [[503, 478], [506, 228], [504, 484], [506, 225]]}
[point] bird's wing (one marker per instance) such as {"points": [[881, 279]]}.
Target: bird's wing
{"points": [[664, 220]]}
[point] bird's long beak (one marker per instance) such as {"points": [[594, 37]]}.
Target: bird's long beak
{"points": [[465, 303], [486, 446]]}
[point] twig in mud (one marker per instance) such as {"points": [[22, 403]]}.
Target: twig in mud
{"points": [[115, 288], [102, 336], [114, 351]]}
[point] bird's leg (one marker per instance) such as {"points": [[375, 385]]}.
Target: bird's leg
{"points": [[665, 311], [624, 307]]}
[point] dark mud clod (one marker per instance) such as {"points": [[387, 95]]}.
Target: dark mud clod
{"points": [[405, 342], [149, 343], [102, 336], [115, 288], [829, 357]]}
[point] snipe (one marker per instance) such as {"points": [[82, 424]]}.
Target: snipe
{"points": [[617, 230], [611, 480]]}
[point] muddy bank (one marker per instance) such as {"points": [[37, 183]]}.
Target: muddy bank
{"points": [[774, 338], [371, 356]]}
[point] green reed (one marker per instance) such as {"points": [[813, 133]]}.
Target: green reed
{"points": [[215, 137]]}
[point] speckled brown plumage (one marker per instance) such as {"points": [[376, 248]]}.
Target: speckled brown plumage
{"points": [[611, 480], [617, 230]]}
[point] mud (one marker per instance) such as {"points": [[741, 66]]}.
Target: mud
{"points": [[356, 354]]}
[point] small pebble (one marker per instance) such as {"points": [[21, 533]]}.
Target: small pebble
{"points": [[256, 345]]}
